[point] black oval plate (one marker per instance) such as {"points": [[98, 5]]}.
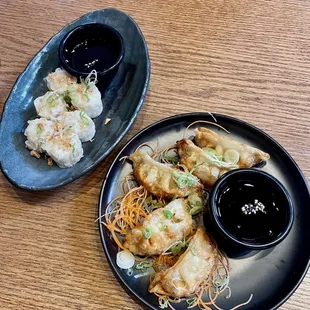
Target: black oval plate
{"points": [[271, 275], [122, 101]]}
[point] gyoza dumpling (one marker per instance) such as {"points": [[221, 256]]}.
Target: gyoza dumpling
{"points": [[50, 105], [162, 180], [193, 267], [59, 80], [86, 97], [248, 156], [37, 132], [65, 148], [208, 167], [80, 123], [210, 162], [160, 229]]}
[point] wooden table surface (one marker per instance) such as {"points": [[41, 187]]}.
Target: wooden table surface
{"points": [[248, 59]]}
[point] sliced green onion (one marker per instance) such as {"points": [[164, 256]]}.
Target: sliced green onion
{"points": [[231, 156], [172, 159], [196, 210], [84, 83], [191, 301], [184, 179], [125, 259], [168, 214], [74, 98], [130, 272], [51, 100], [212, 152], [208, 150], [84, 118], [176, 249], [70, 127], [195, 204], [85, 94], [217, 161], [144, 265], [147, 233], [39, 130]]}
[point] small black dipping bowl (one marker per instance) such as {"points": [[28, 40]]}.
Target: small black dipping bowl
{"points": [[92, 47], [249, 210]]}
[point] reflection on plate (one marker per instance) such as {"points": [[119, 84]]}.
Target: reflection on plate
{"points": [[270, 275], [122, 101]]}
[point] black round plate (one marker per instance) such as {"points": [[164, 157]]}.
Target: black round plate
{"points": [[270, 275]]}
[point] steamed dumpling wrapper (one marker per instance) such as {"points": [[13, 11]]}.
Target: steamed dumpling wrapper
{"points": [[192, 268], [86, 96], [60, 80], [160, 230], [65, 148], [161, 180], [38, 132], [80, 123], [50, 105]]}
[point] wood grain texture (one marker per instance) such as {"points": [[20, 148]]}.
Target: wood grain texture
{"points": [[248, 59]]}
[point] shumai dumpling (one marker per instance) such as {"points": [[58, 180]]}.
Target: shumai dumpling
{"points": [[50, 105], [59, 80], [38, 132], [65, 148], [80, 123]]}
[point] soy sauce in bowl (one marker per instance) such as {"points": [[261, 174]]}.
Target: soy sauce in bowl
{"points": [[251, 212], [250, 208], [90, 47]]}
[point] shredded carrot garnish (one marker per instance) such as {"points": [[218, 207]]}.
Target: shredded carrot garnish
{"points": [[129, 210]]}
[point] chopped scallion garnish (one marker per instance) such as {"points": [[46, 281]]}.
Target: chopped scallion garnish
{"points": [[144, 265], [191, 301], [147, 233], [184, 179], [176, 249], [39, 129], [168, 214], [84, 118], [171, 159]]}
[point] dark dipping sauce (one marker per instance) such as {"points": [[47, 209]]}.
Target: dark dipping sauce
{"points": [[98, 53], [92, 47], [252, 211]]}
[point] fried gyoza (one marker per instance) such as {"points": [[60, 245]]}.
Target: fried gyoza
{"points": [[193, 267], [161, 180], [210, 159], [160, 229], [249, 156]]}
